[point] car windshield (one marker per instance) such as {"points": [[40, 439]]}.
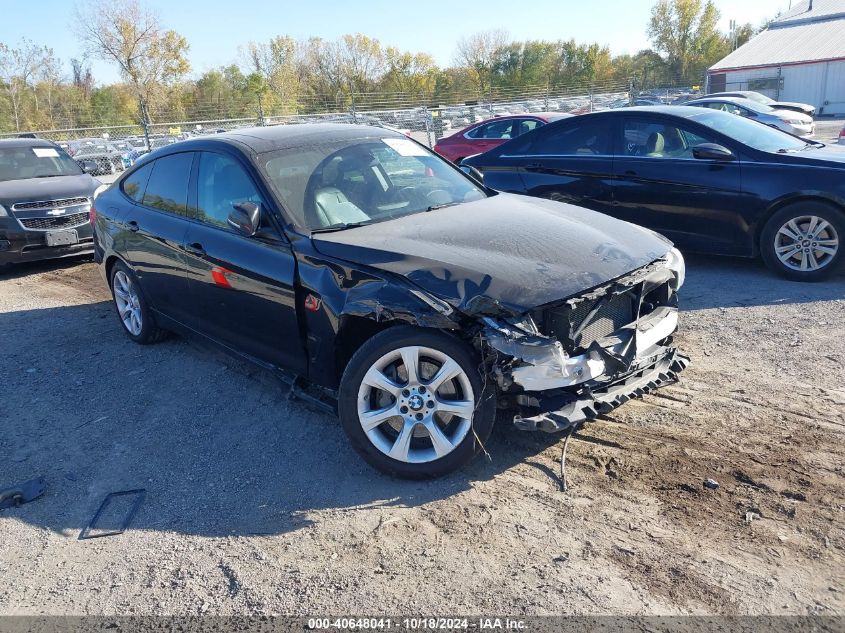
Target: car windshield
{"points": [[35, 162], [757, 106], [756, 135], [339, 184], [758, 98], [94, 150]]}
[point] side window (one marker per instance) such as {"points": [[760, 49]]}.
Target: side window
{"points": [[167, 188], [586, 139], [493, 130], [523, 126], [222, 183], [135, 184], [654, 139]]}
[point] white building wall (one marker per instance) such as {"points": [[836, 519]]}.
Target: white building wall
{"points": [[834, 96], [821, 84]]}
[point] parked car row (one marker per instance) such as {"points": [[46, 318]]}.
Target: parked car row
{"points": [[414, 297], [710, 181]]}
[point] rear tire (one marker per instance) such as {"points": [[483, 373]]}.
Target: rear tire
{"points": [[420, 424], [132, 308], [803, 241]]}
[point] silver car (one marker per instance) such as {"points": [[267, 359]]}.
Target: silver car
{"points": [[789, 121]]}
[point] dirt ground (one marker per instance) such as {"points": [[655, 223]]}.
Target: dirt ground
{"points": [[256, 505]]}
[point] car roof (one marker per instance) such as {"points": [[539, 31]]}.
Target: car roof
{"points": [[26, 142], [730, 93], [273, 137], [738, 100]]}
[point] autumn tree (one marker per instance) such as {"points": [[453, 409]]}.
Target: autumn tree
{"points": [[478, 54], [18, 67], [130, 35], [411, 73], [686, 32]]}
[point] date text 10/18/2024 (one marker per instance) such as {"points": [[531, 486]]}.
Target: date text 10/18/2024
{"points": [[418, 624]]}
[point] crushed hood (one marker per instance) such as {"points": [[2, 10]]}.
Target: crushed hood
{"points": [[515, 251]]}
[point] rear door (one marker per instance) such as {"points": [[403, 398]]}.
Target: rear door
{"points": [[155, 226], [489, 135], [569, 163], [660, 185], [242, 287]]}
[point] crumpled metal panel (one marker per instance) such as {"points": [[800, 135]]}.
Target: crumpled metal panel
{"points": [[554, 415]]}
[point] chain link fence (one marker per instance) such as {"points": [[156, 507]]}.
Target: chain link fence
{"points": [[116, 147]]}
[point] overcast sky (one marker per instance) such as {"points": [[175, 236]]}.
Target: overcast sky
{"points": [[216, 28]]}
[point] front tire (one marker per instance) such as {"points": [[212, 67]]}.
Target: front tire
{"points": [[414, 403], [132, 309], [803, 241]]}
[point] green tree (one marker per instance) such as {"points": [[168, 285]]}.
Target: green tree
{"points": [[477, 54], [686, 32], [18, 67]]}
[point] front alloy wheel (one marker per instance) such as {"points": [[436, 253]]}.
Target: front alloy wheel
{"points": [[413, 402], [806, 243], [803, 241]]}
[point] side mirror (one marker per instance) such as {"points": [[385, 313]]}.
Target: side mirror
{"points": [[472, 172], [89, 166], [245, 217], [712, 151]]}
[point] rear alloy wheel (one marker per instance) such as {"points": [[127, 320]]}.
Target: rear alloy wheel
{"points": [[132, 309], [413, 404], [803, 242]]}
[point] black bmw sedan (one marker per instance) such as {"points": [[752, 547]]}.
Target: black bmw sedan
{"points": [[378, 279], [711, 182]]}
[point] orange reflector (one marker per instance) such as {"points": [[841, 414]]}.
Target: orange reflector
{"points": [[218, 276], [312, 303]]}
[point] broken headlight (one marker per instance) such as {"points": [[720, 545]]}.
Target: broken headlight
{"points": [[675, 263]]}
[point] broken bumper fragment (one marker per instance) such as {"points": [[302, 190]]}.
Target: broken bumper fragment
{"points": [[563, 411], [567, 363]]}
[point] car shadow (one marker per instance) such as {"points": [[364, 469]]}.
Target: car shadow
{"points": [[217, 444], [17, 271], [724, 282]]}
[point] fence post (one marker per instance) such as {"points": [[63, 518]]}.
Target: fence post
{"points": [[631, 91], [591, 99], [260, 112], [427, 117], [546, 100], [354, 114], [145, 123]]}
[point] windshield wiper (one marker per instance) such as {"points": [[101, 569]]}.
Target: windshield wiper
{"points": [[340, 226], [48, 175], [434, 207]]}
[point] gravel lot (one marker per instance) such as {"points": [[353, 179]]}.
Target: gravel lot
{"points": [[256, 505]]}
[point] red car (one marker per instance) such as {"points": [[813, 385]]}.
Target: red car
{"points": [[482, 137]]}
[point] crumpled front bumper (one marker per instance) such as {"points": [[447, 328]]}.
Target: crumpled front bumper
{"points": [[563, 411], [554, 389]]}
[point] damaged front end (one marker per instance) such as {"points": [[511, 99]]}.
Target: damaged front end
{"points": [[564, 363]]}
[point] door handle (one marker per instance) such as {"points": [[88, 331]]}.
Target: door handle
{"points": [[630, 172], [195, 249], [132, 225]]}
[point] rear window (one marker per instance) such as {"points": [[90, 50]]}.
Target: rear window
{"points": [[135, 184], [167, 188], [582, 139]]}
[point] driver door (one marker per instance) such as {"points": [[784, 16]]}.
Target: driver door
{"points": [[660, 185], [242, 288]]}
